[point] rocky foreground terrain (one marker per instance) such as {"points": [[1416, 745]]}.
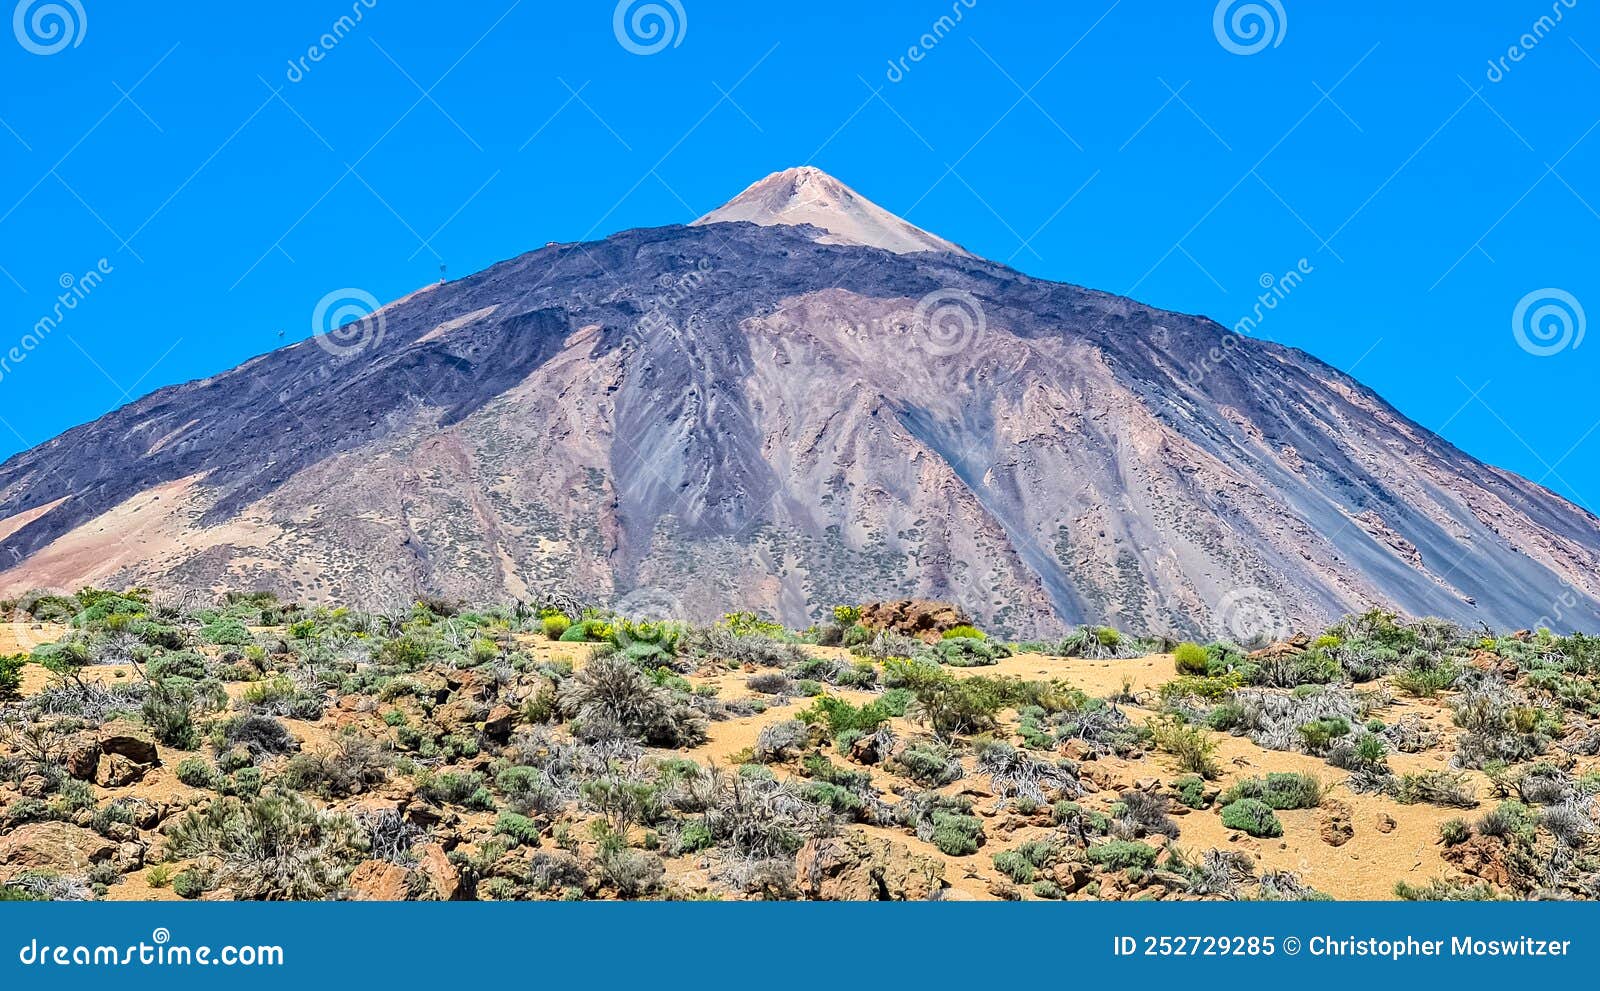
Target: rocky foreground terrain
{"points": [[255, 749]]}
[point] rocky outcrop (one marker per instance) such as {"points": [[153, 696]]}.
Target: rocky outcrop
{"points": [[913, 617], [856, 867]]}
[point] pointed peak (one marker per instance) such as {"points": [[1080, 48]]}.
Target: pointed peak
{"points": [[808, 195]]}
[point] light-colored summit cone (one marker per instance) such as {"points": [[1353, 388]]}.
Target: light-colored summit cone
{"points": [[808, 195]]}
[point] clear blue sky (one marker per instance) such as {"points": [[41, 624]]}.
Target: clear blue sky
{"points": [[1116, 145]]}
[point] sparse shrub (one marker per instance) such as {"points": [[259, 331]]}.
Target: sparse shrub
{"points": [[610, 697], [273, 847], [782, 741], [1195, 752], [1446, 890], [1454, 832], [1437, 788], [930, 763]]}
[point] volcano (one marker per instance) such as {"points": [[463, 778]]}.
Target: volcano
{"points": [[798, 400]]}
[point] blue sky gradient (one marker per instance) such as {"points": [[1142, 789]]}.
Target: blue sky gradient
{"points": [[1429, 180]]}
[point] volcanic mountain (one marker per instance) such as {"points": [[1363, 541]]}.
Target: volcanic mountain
{"points": [[797, 401]]}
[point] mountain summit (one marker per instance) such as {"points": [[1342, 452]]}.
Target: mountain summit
{"points": [[806, 195], [821, 405]]}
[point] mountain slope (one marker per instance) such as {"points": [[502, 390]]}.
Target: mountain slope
{"points": [[744, 415]]}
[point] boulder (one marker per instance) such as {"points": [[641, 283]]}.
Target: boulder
{"points": [[502, 719], [866, 750], [379, 881], [52, 846], [129, 740], [83, 756], [857, 867], [116, 771], [1338, 825], [441, 874]]}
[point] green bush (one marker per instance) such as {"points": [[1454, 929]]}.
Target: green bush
{"points": [[197, 772], [1015, 866], [1190, 659], [11, 676], [555, 625], [964, 632], [1253, 817], [1119, 855], [519, 827], [957, 835], [1454, 832], [1285, 790], [1319, 733], [1190, 790]]}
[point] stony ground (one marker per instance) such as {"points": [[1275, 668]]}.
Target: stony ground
{"points": [[258, 750]]}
